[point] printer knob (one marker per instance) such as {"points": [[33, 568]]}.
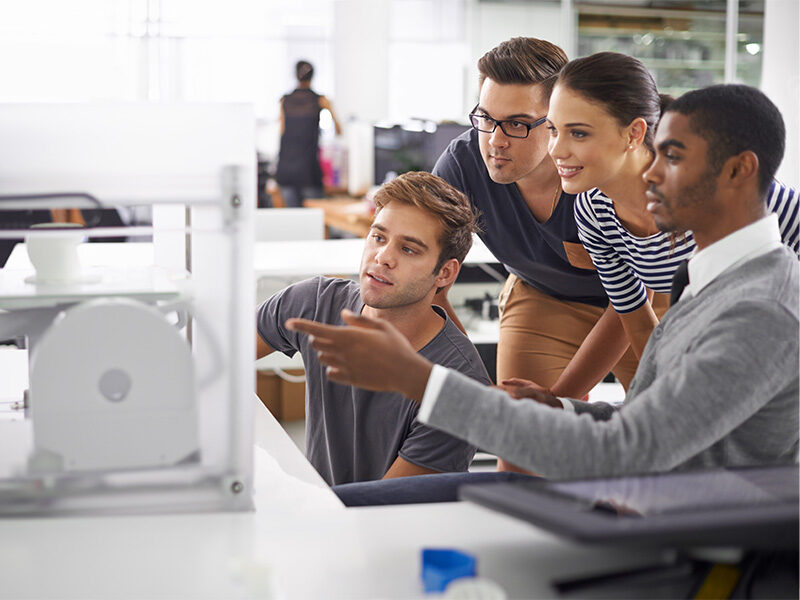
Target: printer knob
{"points": [[115, 384]]}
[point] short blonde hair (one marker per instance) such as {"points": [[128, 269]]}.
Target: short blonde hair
{"points": [[450, 207]]}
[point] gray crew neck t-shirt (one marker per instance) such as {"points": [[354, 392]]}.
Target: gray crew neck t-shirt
{"points": [[354, 434], [535, 252]]}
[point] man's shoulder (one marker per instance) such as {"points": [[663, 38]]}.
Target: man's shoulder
{"points": [[336, 292], [772, 275], [459, 158], [338, 285], [769, 283], [774, 278], [451, 348], [319, 285], [332, 292], [464, 143]]}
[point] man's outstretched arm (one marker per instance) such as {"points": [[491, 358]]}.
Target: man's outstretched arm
{"points": [[731, 369], [369, 353]]}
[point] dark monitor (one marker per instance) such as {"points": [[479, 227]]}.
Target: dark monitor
{"points": [[441, 138], [400, 149]]}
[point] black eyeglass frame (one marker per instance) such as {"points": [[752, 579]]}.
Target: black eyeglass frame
{"points": [[529, 126]]}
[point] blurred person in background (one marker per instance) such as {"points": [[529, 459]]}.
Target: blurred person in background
{"points": [[299, 174]]}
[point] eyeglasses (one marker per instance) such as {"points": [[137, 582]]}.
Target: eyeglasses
{"points": [[511, 127]]}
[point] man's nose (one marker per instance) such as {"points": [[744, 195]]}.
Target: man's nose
{"points": [[652, 174], [498, 137], [385, 256]]}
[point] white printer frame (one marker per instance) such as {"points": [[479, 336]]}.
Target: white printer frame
{"points": [[195, 165]]}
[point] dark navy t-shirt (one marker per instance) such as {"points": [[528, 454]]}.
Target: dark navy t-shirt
{"points": [[548, 256]]}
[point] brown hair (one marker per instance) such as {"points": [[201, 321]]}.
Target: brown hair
{"points": [[523, 60], [621, 84], [434, 195]]}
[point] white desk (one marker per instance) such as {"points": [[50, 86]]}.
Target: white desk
{"points": [[299, 543]]}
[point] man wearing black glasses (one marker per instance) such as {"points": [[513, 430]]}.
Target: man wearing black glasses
{"points": [[553, 297]]}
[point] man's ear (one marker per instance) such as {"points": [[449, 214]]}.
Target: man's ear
{"points": [[447, 273], [741, 169]]}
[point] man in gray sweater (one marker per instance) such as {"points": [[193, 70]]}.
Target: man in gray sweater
{"points": [[717, 384]]}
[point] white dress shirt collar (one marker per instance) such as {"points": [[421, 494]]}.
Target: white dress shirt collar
{"points": [[742, 245]]}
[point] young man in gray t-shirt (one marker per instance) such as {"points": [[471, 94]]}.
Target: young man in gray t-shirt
{"points": [[422, 232]]}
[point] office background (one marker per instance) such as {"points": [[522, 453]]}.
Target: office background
{"points": [[386, 61], [406, 63]]}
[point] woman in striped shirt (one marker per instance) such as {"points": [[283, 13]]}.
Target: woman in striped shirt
{"points": [[601, 118]]}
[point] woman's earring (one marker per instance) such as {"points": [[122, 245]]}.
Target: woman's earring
{"points": [[630, 147]]}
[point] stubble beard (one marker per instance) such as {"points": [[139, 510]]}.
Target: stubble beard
{"points": [[408, 296], [502, 176], [697, 194]]}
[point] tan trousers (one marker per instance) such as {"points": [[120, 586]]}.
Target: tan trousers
{"points": [[539, 334]]}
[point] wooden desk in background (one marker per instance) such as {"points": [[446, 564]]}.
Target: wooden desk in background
{"points": [[346, 214]]}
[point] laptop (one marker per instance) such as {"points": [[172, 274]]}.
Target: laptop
{"points": [[749, 508]]}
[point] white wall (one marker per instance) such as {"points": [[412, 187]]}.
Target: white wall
{"points": [[496, 22], [780, 77], [492, 23], [360, 42]]}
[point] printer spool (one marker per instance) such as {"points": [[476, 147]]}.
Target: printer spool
{"points": [[111, 387]]}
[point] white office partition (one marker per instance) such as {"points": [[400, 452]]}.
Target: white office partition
{"points": [[289, 224], [141, 383]]}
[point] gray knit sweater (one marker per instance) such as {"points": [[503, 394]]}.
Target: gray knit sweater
{"points": [[717, 386]]}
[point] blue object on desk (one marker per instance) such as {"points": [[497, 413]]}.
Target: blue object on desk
{"points": [[440, 566]]}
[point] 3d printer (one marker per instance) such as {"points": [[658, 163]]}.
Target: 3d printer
{"points": [[140, 382]]}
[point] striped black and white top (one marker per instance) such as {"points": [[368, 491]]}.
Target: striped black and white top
{"points": [[627, 263]]}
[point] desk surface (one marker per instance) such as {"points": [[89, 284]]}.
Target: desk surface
{"points": [[298, 543], [345, 213]]}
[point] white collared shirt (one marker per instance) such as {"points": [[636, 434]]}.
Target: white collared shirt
{"points": [[742, 245], [705, 266]]}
